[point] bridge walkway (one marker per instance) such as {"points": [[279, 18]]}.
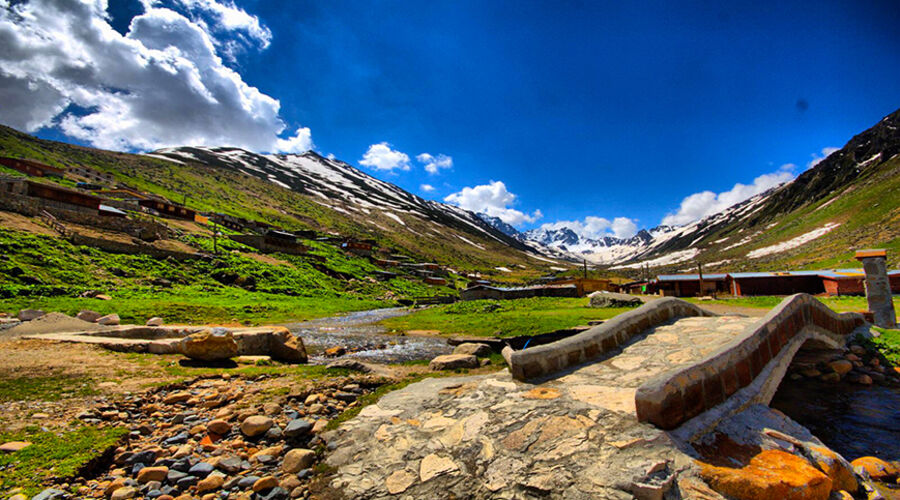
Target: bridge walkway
{"points": [[575, 434]]}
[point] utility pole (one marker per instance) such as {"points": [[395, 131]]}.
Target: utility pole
{"points": [[215, 234], [585, 268], [700, 272]]}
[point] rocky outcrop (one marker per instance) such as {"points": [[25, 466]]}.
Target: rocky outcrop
{"points": [[214, 344]]}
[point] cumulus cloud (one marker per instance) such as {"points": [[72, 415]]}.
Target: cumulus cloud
{"points": [[818, 157], [705, 203], [426, 188], [381, 157], [492, 199], [163, 83], [596, 227], [433, 164]]}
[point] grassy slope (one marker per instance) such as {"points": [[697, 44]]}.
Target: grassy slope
{"points": [[505, 318], [52, 455], [868, 212], [200, 290], [219, 190]]}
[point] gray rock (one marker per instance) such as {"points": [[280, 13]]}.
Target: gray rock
{"points": [[475, 349], [453, 361], [50, 493], [28, 315], [230, 465], [202, 469], [276, 493], [297, 427], [109, 320], [173, 476], [88, 315], [611, 299], [247, 481], [350, 364]]}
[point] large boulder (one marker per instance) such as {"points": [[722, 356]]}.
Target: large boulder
{"points": [[453, 361], [287, 347], [29, 314], [770, 474], [475, 349], [212, 344], [109, 320], [611, 299], [88, 315]]}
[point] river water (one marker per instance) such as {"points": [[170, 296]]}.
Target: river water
{"points": [[853, 420], [364, 339]]}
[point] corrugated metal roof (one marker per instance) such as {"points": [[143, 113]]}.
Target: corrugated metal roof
{"points": [[691, 277]]}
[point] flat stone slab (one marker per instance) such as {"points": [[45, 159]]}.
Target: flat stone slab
{"points": [[14, 446], [491, 436]]}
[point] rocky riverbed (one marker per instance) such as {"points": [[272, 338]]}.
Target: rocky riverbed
{"points": [[215, 437]]}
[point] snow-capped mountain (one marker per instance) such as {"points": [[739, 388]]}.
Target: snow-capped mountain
{"points": [[343, 188]]}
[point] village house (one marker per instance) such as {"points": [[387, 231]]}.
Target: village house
{"points": [[744, 284], [358, 247], [688, 285], [31, 167], [168, 209]]}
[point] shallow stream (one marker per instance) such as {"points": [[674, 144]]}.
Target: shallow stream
{"points": [[364, 339], [853, 420]]}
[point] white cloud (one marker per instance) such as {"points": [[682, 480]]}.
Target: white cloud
{"points": [[817, 158], [426, 188], [218, 18], [596, 227], [433, 164], [623, 227], [381, 157], [492, 199], [161, 84], [705, 203], [299, 143]]}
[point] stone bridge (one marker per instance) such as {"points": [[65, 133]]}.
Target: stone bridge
{"points": [[743, 369], [591, 416]]}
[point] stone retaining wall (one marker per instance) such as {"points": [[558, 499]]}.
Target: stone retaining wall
{"points": [[31, 206], [753, 363], [589, 345]]}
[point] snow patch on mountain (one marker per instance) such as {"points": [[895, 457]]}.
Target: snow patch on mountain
{"points": [[793, 242]]}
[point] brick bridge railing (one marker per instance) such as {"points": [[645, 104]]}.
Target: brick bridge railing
{"points": [[748, 369], [547, 359]]}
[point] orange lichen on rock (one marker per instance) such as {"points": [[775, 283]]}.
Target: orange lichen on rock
{"points": [[877, 468], [836, 468], [772, 474], [542, 393]]}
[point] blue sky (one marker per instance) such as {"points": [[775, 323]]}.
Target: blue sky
{"points": [[604, 116]]}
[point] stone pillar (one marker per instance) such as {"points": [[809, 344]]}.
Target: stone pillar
{"points": [[878, 287]]}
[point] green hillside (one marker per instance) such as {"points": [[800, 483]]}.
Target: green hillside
{"points": [[209, 189]]}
